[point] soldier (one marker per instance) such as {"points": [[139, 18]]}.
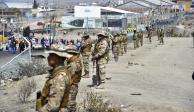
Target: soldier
{"points": [[55, 93], [125, 42], [149, 34], [122, 44], [158, 33], [115, 47], [161, 36], [138, 38], [141, 38], [74, 65], [192, 34], [109, 43], [135, 39], [86, 45], [99, 55]]}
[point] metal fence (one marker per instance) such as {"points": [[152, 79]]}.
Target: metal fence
{"points": [[10, 69]]}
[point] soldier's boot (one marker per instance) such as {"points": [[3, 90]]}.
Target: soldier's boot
{"points": [[116, 58], [86, 75], [101, 85]]}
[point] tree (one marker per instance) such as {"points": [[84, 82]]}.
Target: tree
{"points": [[35, 5]]}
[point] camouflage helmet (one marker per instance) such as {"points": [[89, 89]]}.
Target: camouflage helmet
{"points": [[103, 33], [58, 50], [85, 35], [71, 49]]}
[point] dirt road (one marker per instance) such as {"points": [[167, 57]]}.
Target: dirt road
{"points": [[159, 78]]}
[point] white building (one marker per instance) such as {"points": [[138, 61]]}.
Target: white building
{"points": [[97, 17]]}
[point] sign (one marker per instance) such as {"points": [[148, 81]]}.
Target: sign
{"points": [[87, 11]]}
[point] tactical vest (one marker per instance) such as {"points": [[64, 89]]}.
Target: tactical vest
{"points": [[75, 78], [46, 88], [97, 49]]}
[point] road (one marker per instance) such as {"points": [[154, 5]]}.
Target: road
{"points": [[160, 74]]}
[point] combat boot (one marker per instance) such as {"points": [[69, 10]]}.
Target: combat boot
{"points": [[86, 75]]}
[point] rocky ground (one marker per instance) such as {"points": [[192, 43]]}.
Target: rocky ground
{"points": [[153, 78]]}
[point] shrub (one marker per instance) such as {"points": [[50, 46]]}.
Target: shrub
{"points": [[95, 103], [26, 88], [36, 67]]}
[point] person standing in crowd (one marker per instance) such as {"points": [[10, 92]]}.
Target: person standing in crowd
{"points": [[99, 56], [85, 49], [13, 45], [74, 65], [149, 30], [115, 47], [141, 38], [22, 46], [54, 96], [43, 42], [161, 38], [125, 41], [135, 39]]}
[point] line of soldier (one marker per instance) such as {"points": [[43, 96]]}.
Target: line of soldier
{"points": [[61, 87], [139, 35]]}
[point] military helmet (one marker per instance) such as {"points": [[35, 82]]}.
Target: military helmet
{"points": [[58, 50], [71, 49], [103, 33], [85, 35]]}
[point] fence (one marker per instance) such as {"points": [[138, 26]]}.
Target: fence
{"points": [[10, 69]]}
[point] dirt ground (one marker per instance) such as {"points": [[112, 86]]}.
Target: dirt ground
{"points": [[160, 76]]}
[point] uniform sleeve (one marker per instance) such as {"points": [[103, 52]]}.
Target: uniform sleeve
{"points": [[103, 47], [56, 93], [75, 67]]}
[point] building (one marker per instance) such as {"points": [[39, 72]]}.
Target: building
{"points": [[97, 17]]}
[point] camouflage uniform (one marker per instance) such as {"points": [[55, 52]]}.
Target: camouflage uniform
{"points": [[121, 47], [150, 35], [135, 39], [158, 34], [161, 38], [55, 93], [86, 45], [108, 50], [125, 42], [74, 65], [115, 47], [99, 56], [141, 38]]}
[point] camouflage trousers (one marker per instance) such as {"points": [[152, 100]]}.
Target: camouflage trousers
{"points": [[125, 48], [141, 41], [116, 52], [72, 98], [121, 50], [86, 63], [150, 39], [161, 40], [136, 43], [100, 70]]}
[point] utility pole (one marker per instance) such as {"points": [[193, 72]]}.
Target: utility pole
{"points": [[3, 26]]}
